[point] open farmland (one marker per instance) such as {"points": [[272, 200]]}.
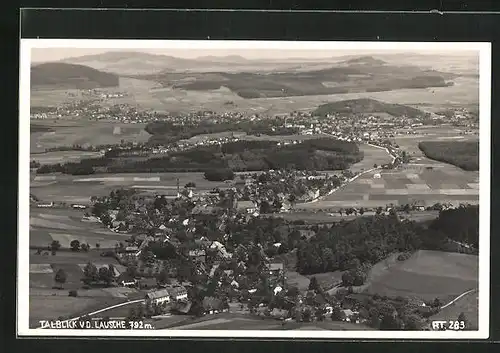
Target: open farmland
{"points": [[427, 275], [145, 94], [82, 132], [223, 100], [372, 155], [415, 185], [52, 307], [66, 225], [468, 305], [79, 189], [422, 181], [46, 306], [62, 156], [238, 322]]}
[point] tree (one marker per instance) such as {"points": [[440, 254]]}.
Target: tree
{"points": [[105, 275], [163, 276], [60, 277], [111, 269], [84, 247], [413, 323], [347, 278], [338, 314], [219, 175], [361, 211], [106, 219], [75, 245], [90, 273], [131, 271], [313, 284], [55, 245], [97, 245], [463, 318]]}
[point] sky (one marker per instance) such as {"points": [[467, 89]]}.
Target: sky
{"points": [[55, 54]]}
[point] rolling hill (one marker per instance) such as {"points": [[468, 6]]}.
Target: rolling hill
{"points": [[356, 75], [70, 76], [367, 106]]}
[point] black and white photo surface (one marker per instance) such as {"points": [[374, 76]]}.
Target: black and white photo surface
{"points": [[254, 189]]}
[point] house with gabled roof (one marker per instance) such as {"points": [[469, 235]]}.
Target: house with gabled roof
{"points": [[158, 297]]}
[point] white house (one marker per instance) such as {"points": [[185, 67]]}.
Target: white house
{"points": [[158, 297], [178, 293], [129, 283]]}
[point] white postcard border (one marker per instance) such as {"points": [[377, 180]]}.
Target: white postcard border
{"points": [[484, 50]]}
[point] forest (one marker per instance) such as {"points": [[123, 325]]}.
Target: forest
{"points": [[164, 132], [463, 154], [367, 240], [318, 154]]}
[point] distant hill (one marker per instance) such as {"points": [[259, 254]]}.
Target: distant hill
{"points": [[365, 60], [70, 76], [366, 105]]}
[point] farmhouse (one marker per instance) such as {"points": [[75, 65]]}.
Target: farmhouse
{"points": [[247, 206], [158, 297], [275, 268], [212, 305], [221, 250], [126, 280], [79, 206], [178, 293], [198, 255]]}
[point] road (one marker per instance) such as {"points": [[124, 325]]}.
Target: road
{"points": [[107, 308], [457, 298]]}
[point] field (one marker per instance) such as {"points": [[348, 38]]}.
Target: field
{"points": [[422, 181], [66, 225], [468, 305], [52, 307], [79, 189], [69, 132], [62, 156], [239, 322], [372, 155], [426, 275], [145, 94], [47, 306]]}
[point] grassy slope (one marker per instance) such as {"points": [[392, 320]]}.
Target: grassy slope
{"points": [[427, 275]]}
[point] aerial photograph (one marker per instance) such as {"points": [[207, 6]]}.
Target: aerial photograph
{"points": [[251, 189]]}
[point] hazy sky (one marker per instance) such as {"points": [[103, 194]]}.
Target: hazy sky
{"points": [[54, 54]]}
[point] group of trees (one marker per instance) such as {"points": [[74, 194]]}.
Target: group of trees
{"points": [[85, 166], [219, 174], [75, 245], [348, 244], [463, 154], [93, 275]]}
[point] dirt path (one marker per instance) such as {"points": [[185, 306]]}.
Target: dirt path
{"points": [[457, 298]]}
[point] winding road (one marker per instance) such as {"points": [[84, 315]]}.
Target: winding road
{"points": [[457, 298]]}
